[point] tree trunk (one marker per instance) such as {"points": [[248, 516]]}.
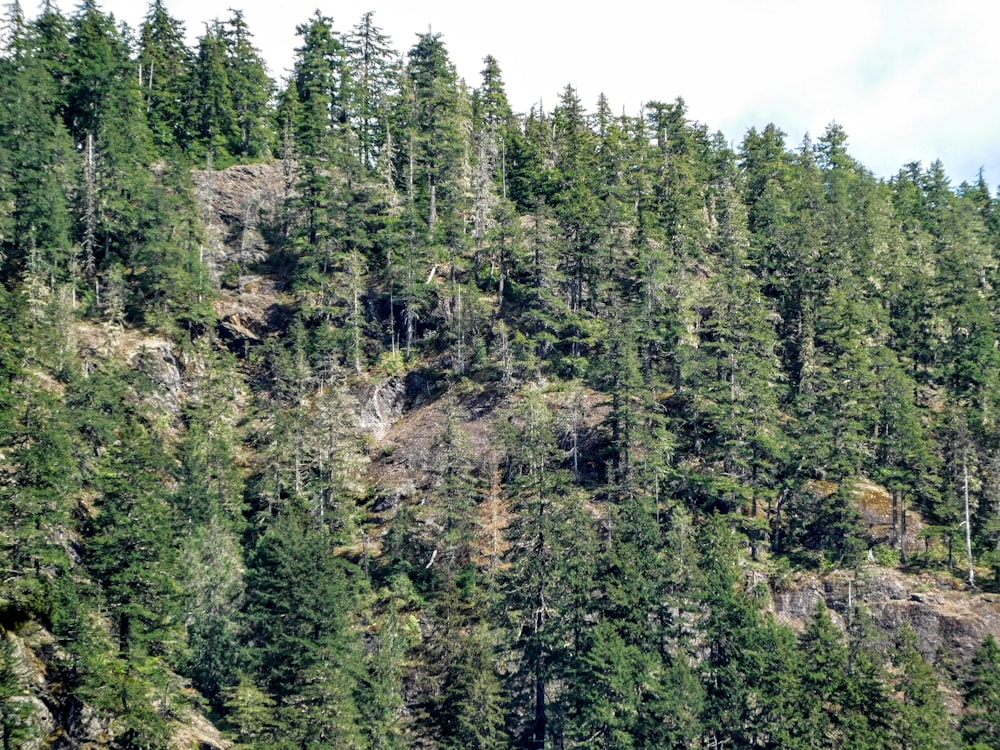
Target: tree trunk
{"points": [[902, 526], [968, 524]]}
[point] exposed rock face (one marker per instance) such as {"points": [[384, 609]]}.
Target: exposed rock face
{"points": [[241, 207], [229, 195], [248, 315], [61, 720], [381, 406], [946, 617]]}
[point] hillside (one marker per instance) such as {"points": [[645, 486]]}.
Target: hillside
{"points": [[363, 412]]}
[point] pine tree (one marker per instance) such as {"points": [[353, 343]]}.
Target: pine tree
{"points": [[734, 669], [171, 284], [18, 725], [577, 212], [492, 117], [250, 90], [437, 131], [549, 580], [165, 64], [680, 177], [374, 81], [824, 681], [106, 117], [209, 105], [868, 709], [130, 547], [921, 721], [982, 697], [320, 142], [430, 129], [733, 373], [298, 640], [39, 168], [213, 593], [36, 498]]}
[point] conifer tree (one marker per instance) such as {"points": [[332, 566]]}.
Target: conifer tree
{"points": [[437, 131], [374, 82], [431, 126], [165, 65], [981, 691], [298, 640], [733, 372], [39, 169], [737, 662], [209, 104], [106, 118], [680, 177], [250, 90], [19, 726], [921, 721], [824, 679], [577, 211], [131, 550], [36, 497], [320, 141], [549, 580]]}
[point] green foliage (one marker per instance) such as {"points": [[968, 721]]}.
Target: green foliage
{"points": [[297, 633], [623, 371], [130, 547], [982, 696], [18, 724], [165, 63], [921, 720]]}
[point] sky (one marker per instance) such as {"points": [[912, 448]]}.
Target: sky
{"points": [[908, 80]]}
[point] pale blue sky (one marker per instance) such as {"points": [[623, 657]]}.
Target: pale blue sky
{"points": [[909, 80]]}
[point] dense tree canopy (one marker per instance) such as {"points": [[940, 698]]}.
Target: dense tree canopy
{"points": [[358, 409]]}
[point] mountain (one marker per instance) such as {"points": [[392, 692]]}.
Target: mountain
{"points": [[361, 411]]}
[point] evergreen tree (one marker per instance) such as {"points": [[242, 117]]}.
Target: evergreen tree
{"points": [[868, 708], [824, 682], [209, 105], [39, 168], [438, 143], [298, 639], [250, 90], [165, 65], [431, 121], [733, 375], [743, 652], [106, 118], [18, 724], [374, 81], [549, 581], [319, 76], [171, 283], [982, 697], [680, 177], [131, 550], [36, 499], [577, 211], [921, 721]]}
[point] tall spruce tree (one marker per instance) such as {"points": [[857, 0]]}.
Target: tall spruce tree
{"points": [[298, 643], [165, 65]]}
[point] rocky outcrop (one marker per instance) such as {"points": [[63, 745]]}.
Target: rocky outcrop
{"points": [[59, 720], [228, 196], [382, 405], [946, 616]]}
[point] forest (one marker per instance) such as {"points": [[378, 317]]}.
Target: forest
{"points": [[357, 410]]}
